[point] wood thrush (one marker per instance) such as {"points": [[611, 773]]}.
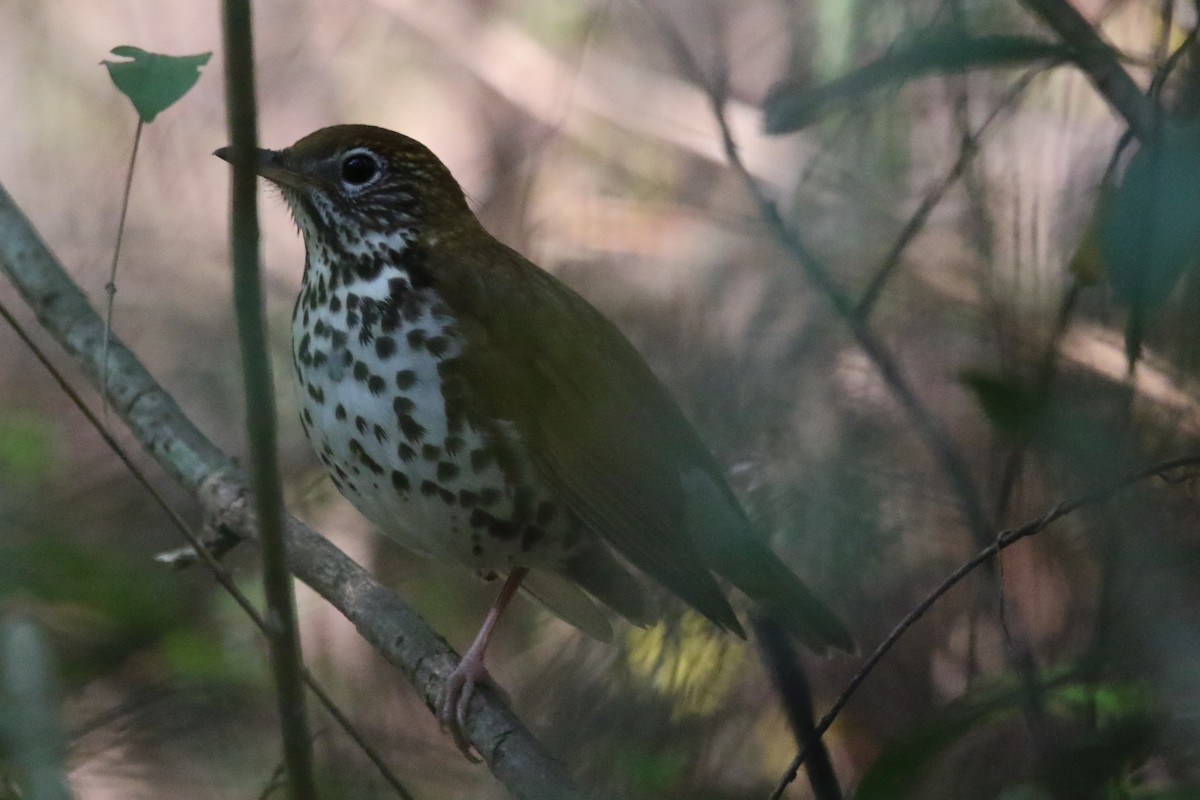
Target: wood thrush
{"points": [[481, 412]]}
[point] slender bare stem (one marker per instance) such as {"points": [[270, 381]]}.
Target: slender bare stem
{"points": [[110, 288], [916, 222]]}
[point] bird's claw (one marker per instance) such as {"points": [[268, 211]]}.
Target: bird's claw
{"points": [[456, 697]]}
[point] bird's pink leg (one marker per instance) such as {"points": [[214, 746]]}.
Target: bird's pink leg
{"points": [[460, 684]]}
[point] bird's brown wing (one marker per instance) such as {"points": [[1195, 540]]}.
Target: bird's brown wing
{"points": [[596, 422]]}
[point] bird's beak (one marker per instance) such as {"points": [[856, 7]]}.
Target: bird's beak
{"points": [[268, 164]]}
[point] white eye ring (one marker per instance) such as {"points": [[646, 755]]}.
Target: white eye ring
{"points": [[359, 168]]}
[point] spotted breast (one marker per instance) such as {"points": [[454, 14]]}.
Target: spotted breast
{"points": [[375, 351]]}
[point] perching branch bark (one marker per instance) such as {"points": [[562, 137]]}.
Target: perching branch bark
{"points": [[398, 633]]}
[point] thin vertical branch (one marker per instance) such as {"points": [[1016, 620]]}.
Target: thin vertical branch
{"points": [[283, 635]]}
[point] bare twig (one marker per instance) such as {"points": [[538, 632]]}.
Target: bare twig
{"points": [[198, 550], [1003, 540], [966, 154], [400, 635], [950, 461], [856, 316], [1017, 650], [110, 288]]}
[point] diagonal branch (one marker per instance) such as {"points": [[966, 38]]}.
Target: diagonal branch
{"points": [[1099, 60], [197, 549], [916, 222], [946, 454], [397, 632]]}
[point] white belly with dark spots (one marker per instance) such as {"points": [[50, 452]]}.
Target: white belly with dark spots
{"points": [[374, 410]]}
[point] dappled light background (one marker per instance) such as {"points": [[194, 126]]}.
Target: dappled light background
{"points": [[582, 142]]}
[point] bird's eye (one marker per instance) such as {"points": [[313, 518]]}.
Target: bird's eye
{"points": [[359, 169]]}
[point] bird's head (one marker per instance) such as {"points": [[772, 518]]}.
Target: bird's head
{"points": [[348, 183]]}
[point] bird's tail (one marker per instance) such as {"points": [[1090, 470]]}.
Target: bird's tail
{"points": [[750, 566], [730, 549]]}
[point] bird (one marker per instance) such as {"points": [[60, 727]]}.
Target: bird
{"points": [[479, 411]]}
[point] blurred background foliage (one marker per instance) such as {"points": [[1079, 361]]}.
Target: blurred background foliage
{"points": [[583, 142]]}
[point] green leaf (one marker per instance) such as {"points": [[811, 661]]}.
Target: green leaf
{"points": [[153, 81], [790, 108], [1013, 408], [26, 448], [655, 772], [1114, 699], [89, 589], [200, 656], [1150, 228]]}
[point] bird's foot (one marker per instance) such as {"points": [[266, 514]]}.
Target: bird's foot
{"points": [[460, 684], [456, 697]]}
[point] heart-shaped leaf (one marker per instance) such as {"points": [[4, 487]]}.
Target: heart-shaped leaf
{"points": [[153, 81]]}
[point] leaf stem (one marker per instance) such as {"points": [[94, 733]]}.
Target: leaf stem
{"points": [[110, 288]]}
